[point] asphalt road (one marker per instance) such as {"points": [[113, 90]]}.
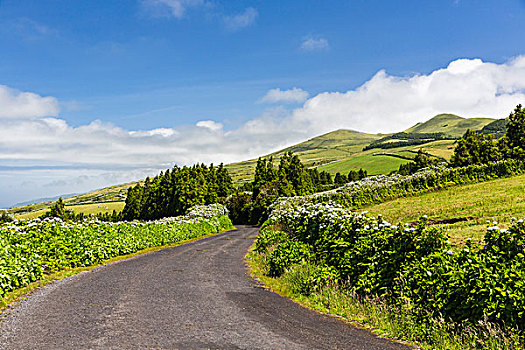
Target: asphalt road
{"points": [[194, 296]]}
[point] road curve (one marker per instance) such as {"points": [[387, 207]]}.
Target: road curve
{"points": [[194, 296]]}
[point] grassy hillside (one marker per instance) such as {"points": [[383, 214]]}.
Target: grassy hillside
{"points": [[342, 150], [373, 163], [95, 208], [112, 197], [450, 124], [330, 147], [470, 205]]}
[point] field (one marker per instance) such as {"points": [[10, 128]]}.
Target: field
{"points": [[98, 201], [94, 208], [498, 200], [415, 278], [344, 146], [374, 164]]}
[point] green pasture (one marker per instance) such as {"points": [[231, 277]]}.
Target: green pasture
{"points": [[473, 205], [93, 208]]}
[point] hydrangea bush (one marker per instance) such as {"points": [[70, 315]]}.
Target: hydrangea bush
{"points": [[30, 248], [413, 267]]}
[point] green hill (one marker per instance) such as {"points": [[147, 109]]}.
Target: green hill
{"points": [[327, 148], [449, 124], [336, 151]]}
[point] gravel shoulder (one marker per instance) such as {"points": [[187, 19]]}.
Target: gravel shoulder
{"points": [[193, 296]]}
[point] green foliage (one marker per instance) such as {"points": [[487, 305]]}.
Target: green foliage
{"points": [[340, 179], [411, 267], [58, 210], [515, 136], [291, 178], [28, 249], [173, 192], [402, 139], [421, 160], [377, 189], [475, 148], [5, 217], [497, 128], [474, 283], [286, 254]]}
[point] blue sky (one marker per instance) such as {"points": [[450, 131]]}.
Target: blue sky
{"points": [[154, 69]]}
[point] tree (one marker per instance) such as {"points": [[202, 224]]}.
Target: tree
{"points": [[353, 175], [58, 210], [515, 135], [171, 193], [475, 148], [340, 179]]}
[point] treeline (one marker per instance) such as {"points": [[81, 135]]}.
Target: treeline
{"points": [[406, 139], [173, 192], [290, 178]]}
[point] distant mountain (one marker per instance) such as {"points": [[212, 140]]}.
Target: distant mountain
{"points": [[44, 200], [450, 124]]}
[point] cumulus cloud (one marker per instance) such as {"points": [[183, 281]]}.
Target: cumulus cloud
{"points": [[387, 103], [242, 20], [294, 95], [170, 8], [32, 133], [314, 44], [209, 124], [16, 104]]}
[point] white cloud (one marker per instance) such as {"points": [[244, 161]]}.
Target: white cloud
{"points": [[170, 8], [31, 133], [294, 95], [16, 104], [242, 20], [314, 44], [209, 124]]}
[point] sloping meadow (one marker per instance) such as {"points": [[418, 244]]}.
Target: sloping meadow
{"points": [[29, 249]]}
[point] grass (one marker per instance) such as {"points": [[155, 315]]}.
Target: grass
{"points": [[450, 124], [498, 200], [373, 164], [94, 208], [18, 294]]}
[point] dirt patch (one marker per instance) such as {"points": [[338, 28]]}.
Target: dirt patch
{"points": [[445, 221]]}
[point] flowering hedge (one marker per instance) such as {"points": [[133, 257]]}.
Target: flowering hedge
{"points": [[377, 189], [412, 267], [28, 249]]}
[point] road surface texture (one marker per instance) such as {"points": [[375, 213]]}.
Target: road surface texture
{"points": [[194, 296]]}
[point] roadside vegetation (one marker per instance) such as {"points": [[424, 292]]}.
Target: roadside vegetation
{"points": [[32, 249], [407, 278]]}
